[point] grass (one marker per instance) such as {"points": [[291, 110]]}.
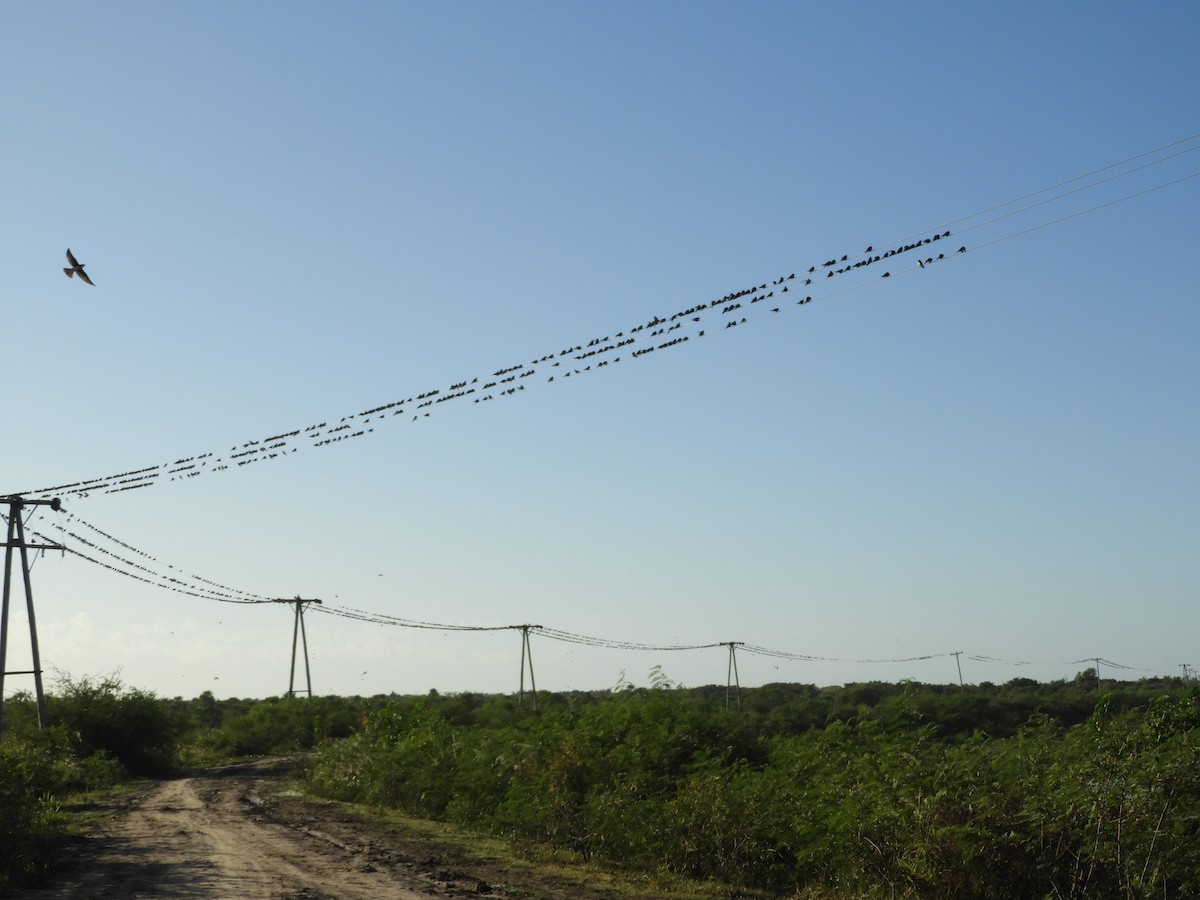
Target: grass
{"points": [[528, 866]]}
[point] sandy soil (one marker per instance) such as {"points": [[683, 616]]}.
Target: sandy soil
{"points": [[233, 833]]}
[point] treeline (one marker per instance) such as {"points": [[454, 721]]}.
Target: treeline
{"points": [[1069, 788]]}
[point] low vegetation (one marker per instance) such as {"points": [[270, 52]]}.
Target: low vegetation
{"points": [[1061, 789], [101, 734], [869, 790]]}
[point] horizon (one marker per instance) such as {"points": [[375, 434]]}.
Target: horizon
{"points": [[623, 686]]}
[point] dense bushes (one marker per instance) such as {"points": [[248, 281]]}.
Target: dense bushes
{"points": [[99, 733], [1020, 790], [1106, 806], [132, 726], [278, 725], [35, 770]]}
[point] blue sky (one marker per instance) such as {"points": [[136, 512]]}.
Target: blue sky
{"points": [[295, 213]]}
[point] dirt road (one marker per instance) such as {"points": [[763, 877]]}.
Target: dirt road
{"points": [[231, 833]]}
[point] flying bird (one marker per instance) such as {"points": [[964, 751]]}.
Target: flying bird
{"points": [[76, 268]]}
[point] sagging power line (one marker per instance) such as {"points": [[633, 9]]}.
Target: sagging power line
{"points": [[228, 594]]}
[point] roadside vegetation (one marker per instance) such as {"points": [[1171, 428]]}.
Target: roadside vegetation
{"points": [[1027, 790], [101, 735], [1061, 789]]}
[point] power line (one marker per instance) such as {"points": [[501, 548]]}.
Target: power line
{"points": [[555, 634], [145, 574], [643, 338], [955, 222], [173, 584], [1084, 212], [384, 619], [1077, 190], [139, 572], [803, 657]]}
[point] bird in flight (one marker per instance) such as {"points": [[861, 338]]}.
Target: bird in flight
{"points": [[76, 268]]}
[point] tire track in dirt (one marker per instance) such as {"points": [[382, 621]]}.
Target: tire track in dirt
{"points": [[210, 835]]}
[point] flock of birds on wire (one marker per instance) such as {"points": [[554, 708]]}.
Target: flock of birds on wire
{"points": [[736, 308], [654, 335]]}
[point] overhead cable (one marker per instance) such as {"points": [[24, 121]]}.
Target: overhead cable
{"points": [[650, 336]]}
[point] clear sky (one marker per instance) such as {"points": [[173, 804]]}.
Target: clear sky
{"points": [[295, 213]]}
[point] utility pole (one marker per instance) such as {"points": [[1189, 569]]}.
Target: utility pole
{"points": [[298, 630], [958, 662], [16, 541], [731, 674], [526, 653]]}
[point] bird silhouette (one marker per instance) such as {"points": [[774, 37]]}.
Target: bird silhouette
{"points": [[76, 269]]}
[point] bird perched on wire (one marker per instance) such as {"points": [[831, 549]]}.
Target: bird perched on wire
{"points": [[76, 268]]}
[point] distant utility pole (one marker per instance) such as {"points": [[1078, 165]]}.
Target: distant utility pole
{"points": [[1186, 671], [298, 630], [731, 674], [1096, 660], [526, 654], [958, 662], [16, 541]]}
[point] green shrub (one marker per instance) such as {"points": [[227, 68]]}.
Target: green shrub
{"points": [[132, 726], [284, 725], [37, 769], [868, 805]]}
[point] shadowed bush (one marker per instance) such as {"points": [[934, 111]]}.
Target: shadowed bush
{"points": [[132, 726]]}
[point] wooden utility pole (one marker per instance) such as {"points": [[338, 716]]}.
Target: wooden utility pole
{"points": [[958, 662], [731, 674], [526, 654], [16, 541], [298, 631]]}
